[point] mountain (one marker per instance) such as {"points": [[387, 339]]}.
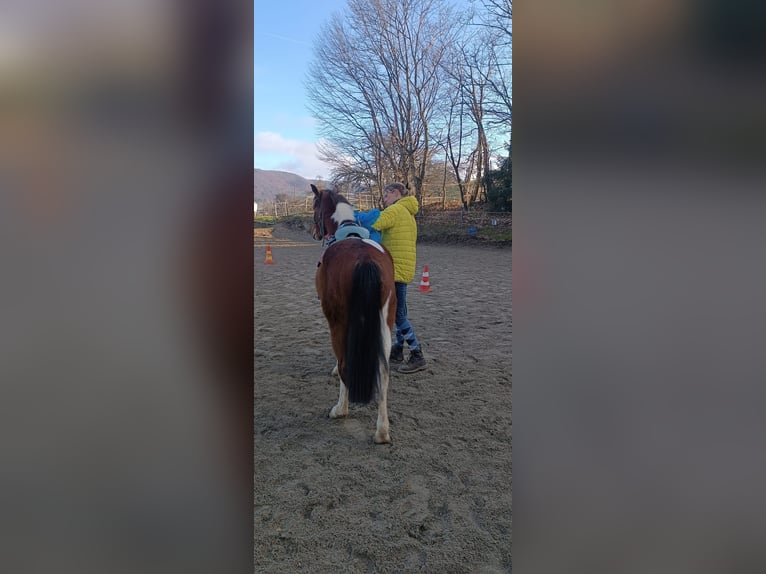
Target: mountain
{"points": [[268, 183]]}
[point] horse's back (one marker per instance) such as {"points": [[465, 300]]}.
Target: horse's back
{"points": [[336, 269], [343, 256], [355, 249]]}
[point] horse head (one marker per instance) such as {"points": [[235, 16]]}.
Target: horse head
{"points": [[325, 203], [324, 207]]}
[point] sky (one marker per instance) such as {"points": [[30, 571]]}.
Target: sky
{"points": [[284, 131]]}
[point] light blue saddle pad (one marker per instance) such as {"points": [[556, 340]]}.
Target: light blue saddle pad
{"points": [[347, 230]]}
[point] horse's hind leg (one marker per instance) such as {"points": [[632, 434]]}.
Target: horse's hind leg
{"points": [[340, 409], [381, 432]]}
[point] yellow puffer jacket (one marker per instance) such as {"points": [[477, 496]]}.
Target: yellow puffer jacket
{"points": [[399, 233]]}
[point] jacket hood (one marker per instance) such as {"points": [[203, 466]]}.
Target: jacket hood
{"points": [[410, 203]]}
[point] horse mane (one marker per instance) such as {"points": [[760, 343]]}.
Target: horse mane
{"points": [[332, 195], [337, 197], [343, 212]]}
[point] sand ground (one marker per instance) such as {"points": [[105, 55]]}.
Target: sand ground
{"points": [[438, 499]]}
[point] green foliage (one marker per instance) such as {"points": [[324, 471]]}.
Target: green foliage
{"points": [[261, 221], [496, 235], [458, 234], [500, 186]]}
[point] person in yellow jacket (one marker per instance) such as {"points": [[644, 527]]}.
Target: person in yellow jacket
{"points": [[399, 233]]}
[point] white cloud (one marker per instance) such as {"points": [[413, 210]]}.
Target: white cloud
{"points": [[274, 151]]}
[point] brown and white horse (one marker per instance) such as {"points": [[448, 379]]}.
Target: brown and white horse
{"points": [[355, 284]]}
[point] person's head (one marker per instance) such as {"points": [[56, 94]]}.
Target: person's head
{"points": [[393, 192]]}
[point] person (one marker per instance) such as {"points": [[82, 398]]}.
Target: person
{"points": [[399, 233], [366, 219]]}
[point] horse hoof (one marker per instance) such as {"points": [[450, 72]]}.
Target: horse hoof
{"points": [[334, 413], [386, 439]]}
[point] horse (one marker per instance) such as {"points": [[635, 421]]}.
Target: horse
{"points": [[355, 284]]}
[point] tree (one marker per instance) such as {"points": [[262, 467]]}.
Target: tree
{"points": [[498, 20], [499, 16], [480, 72], [374, 87], [467, 142], [500, 187]]}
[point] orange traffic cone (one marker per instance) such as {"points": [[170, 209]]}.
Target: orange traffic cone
{"points": [[425, 286], [269, 260]]}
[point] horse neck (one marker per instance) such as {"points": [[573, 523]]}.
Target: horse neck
{"points": [[330, 226], [334, 212], [343, 212]]}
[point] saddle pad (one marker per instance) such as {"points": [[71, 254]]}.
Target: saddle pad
{"points": [[344, 232], [374, 244]]}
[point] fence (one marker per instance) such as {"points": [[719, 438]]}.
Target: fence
{"points": [[460, 218], [430, 214]]}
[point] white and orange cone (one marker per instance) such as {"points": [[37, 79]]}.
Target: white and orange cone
{"points": [[425, 286], [269, 260]]}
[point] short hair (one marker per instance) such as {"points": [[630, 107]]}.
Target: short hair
{"points": [[396, 186]]}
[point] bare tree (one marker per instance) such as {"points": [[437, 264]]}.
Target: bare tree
{"points": [[456, 133], [498, 21], [374, 86], [499, 16], [481, 111], [467, 142]]}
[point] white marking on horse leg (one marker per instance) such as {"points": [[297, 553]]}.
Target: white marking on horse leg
{"points": [[385, 332], [381, 432], [335, 369], [341, 409]]}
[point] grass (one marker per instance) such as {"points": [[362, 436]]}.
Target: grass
{"points": [[445, 233], [496, 234]]}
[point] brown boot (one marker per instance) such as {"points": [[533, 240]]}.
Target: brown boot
{"points": [[416, 362]]}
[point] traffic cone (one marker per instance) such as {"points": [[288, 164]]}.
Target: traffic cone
{"points": [[425, 286], [269, 260]]}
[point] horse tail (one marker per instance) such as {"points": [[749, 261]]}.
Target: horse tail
{"points": [[364, 345]]}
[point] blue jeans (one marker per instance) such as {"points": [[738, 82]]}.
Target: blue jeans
{"points": [[404, 331]]}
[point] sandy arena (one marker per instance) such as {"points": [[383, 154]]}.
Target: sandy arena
{"points": [[438, 499]]}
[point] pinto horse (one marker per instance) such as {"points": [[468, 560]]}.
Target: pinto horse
{"points": [[355, 283]]}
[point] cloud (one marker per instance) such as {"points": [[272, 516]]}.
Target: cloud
{"points": [[274, 151]]}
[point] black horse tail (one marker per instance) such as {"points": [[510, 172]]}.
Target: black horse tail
{"points": [[364, 345]]}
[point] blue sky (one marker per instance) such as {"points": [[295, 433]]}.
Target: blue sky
{"points": [[285, 135]]}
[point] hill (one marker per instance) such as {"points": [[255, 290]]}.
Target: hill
{"points": [[268, 183]]}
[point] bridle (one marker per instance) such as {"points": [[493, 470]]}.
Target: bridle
{"points": [[320, 222]]}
